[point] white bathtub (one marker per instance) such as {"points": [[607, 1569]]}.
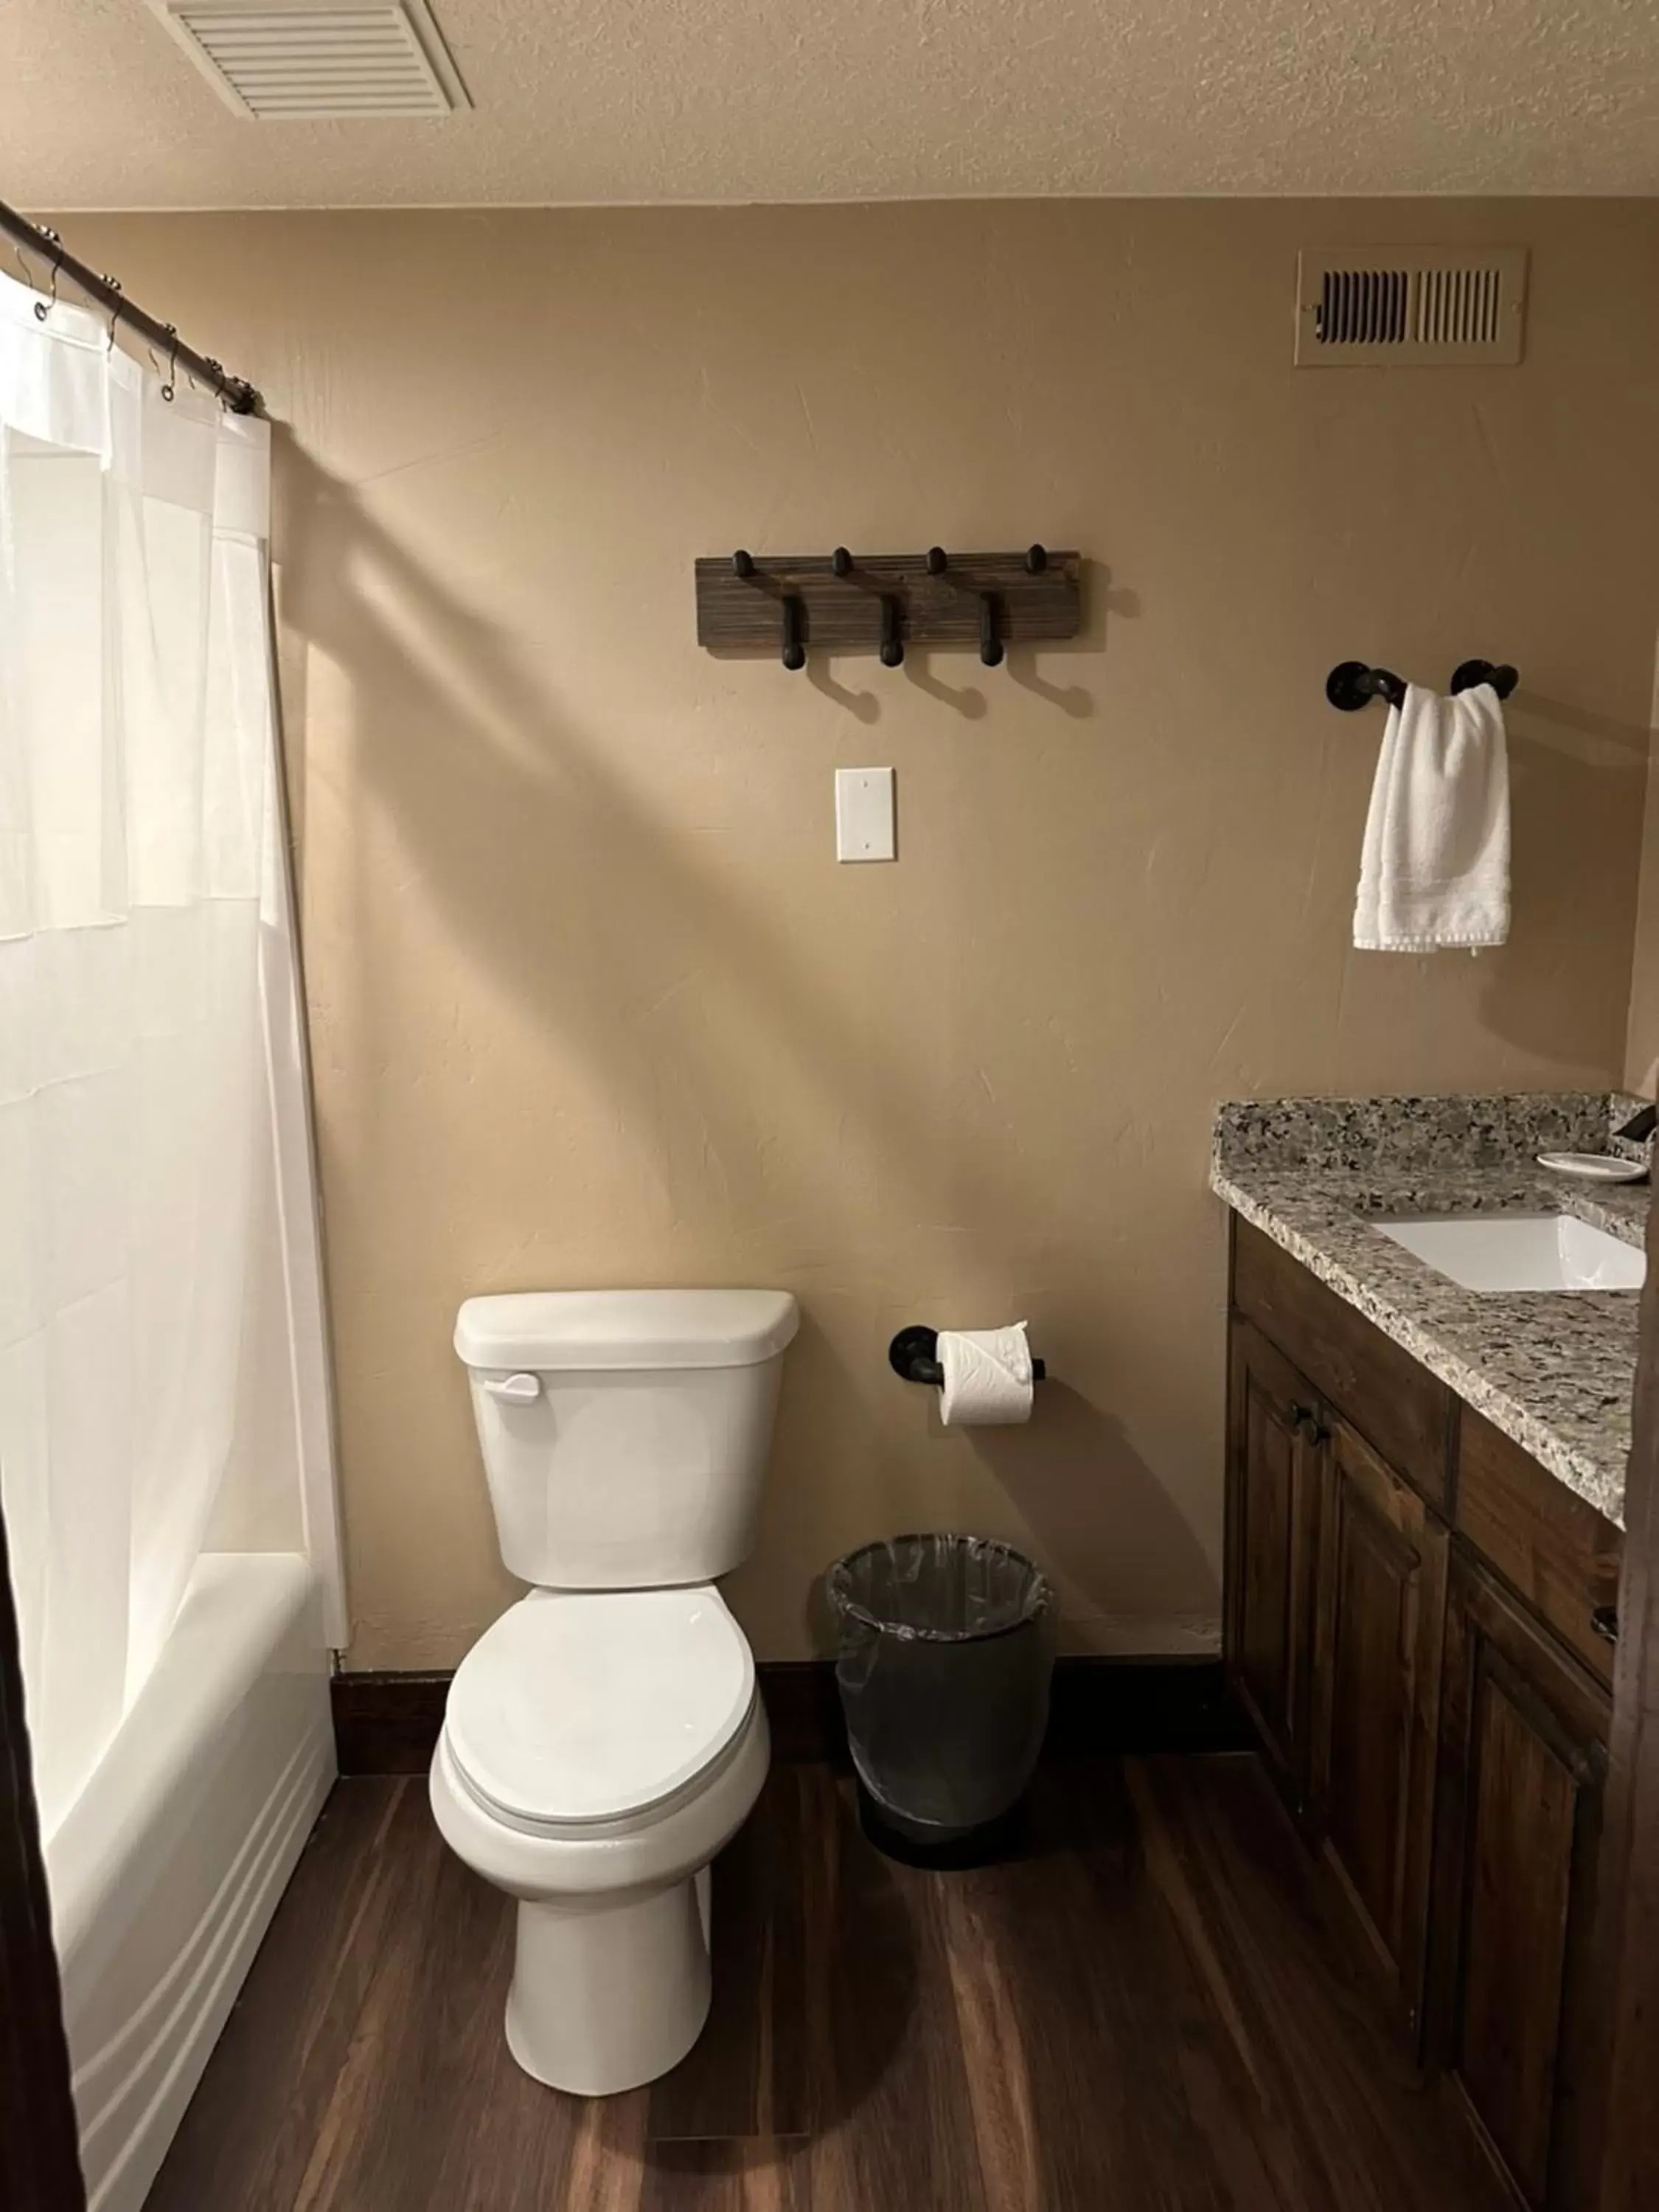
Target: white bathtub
{"points": [[165, 1870]]}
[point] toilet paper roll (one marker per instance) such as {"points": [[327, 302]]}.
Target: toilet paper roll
{"points": [[987, 1376]]}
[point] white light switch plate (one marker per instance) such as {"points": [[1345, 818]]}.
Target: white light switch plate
{"points": [[864, 814]]}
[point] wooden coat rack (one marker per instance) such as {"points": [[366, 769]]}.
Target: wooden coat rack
{"points": [[881, 602]]}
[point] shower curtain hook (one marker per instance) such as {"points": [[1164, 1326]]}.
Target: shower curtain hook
{"points": [[114, 283], [170, 388], [42, 307]]}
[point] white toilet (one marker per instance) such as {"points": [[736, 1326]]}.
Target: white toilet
{"points": [[605, 1738]]}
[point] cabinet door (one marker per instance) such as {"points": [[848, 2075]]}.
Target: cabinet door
{"points": [[1523, 1730], [1273, 1503], [1379, 1622]]}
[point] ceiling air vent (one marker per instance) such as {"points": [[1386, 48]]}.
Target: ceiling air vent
{"points": [[1420, 303], [301, 59]]}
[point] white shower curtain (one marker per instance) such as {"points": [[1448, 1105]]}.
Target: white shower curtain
{"points": [[137, 806]]}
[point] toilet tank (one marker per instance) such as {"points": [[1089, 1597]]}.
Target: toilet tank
{"points": [[624, 1433]]}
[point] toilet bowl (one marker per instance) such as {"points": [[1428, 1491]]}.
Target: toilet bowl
{"points": [[598, 1803], [605, 1738]]}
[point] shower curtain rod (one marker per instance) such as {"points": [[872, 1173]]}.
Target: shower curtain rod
{"points": [[237, 393]]}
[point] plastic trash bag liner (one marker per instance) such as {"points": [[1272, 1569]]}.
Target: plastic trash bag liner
{"points": [[944, 1658]]}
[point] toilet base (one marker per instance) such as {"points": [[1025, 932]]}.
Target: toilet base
{"points": [[605, 1997]]}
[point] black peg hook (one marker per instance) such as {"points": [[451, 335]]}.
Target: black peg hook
{"points": [[841, 562], [990, 644], [937, 563], [1037, 560], [892, 644], [794, 652], [743, 564]]}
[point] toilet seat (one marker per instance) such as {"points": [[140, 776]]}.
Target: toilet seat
{"points": [[579, 1710]]}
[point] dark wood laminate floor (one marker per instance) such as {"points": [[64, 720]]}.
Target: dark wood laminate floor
{"points": [[1145, 2012]]}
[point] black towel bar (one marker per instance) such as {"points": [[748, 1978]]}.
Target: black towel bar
{"points": [[1351, 685]]}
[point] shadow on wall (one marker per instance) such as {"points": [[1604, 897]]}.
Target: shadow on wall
{"points": [[1020, 665], [1553, 747], [528, 869], [1072, 1473], [543, 863], [1073, 1476]]}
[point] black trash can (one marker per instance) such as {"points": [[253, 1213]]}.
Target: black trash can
{"points": [[945, 1655]]}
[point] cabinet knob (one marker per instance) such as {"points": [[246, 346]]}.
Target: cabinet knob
{"points": [[1605, 1622], [1305, 1422]]}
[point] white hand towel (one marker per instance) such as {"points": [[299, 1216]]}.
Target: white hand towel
{"points": [[1434, 872]]}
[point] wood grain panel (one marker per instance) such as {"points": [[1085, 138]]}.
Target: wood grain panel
{"points": [[1521, 1771], [1559, 1553], [1376, 1709], [749, 2072], [1517, 1897], [1146, 2008], [1627, 1976], [1401, 1409], [1344, 2119], [1272, 1536], [843, 614], [389, 1723]]}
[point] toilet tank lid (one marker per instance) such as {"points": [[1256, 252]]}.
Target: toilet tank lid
{"points": [[547, 1331]]}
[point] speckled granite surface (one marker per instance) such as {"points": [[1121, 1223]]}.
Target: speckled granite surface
{"points": [[1552, 1369]]}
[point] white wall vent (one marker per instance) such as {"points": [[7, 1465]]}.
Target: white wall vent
{"points": [[301, 59], [1420, 303]]}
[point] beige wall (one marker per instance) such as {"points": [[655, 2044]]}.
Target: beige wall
{"points": [[591, 1001]]}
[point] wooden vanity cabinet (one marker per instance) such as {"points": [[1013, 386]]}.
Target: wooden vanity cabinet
{"points": [[1418, 1624], [1272, 1529], [1379, 1618], [1522, 1764]]}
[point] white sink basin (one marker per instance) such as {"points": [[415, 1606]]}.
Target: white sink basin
{"points": [[1520, 1252]]}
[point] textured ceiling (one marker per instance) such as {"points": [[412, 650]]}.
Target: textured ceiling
{"points": [[580, 101]]}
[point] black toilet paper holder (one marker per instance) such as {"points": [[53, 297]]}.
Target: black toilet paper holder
{"points": [[914, 1355]]}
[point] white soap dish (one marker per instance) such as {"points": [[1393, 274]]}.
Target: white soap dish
{"points": [[1593, 1167]]}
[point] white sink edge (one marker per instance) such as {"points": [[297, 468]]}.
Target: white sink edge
{"points": [[1495, 1254]]}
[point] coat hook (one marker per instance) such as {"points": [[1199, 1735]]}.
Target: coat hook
{"points": [[892, 643], [743, 564], [937, 563], [1037, 560], [990, 644], [794, 652]]}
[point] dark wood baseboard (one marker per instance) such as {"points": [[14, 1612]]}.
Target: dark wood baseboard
{"points": [[388, 1723], [803, 1706], [1148, 1704]]}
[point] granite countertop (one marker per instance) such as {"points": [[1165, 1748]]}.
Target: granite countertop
{"points": [[1553, 1370]]}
